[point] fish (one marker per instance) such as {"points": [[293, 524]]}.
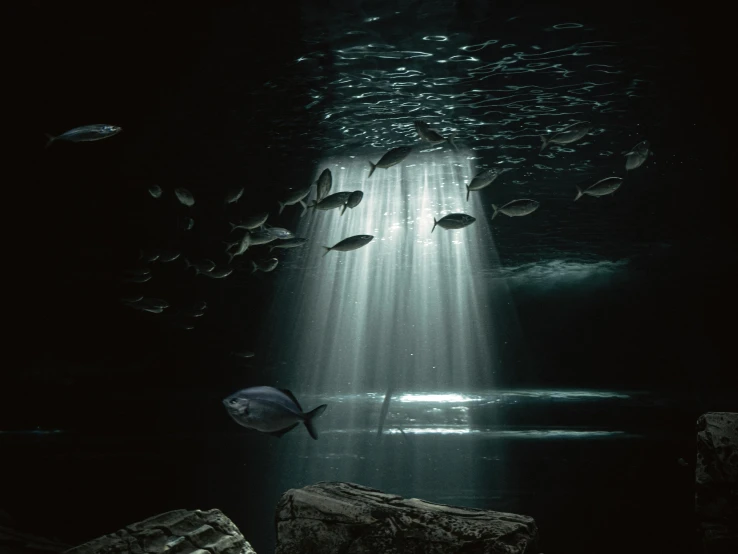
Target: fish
{"points": [[637, 155], [481, 180], [233, 195], [217, 273], [270, 410], [251, 222], [354, 200], [132, 299], [244, 354], [264, 265], [137, 279], [568, 135], [205, 266], [261, 237], [295, 196], [335, 200], [517, 208], [453, 221], [168, 256], [138, 271], [603, 187], [385, 409], [189, 223], [86, 133], [149, 255], [431, 135], [155, 191], [154, 302], [350, 243], [323, 185], [184, 196], [243, 245], [393, 157], [293, 242], [280, 232]]}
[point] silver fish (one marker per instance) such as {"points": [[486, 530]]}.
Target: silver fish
{"points": [[453, 221], [288, 243], [168, 256], [335, 200], [251, 222], [350, 243], [233, 195], [353, 200], [261, 237], [516, 208], [431, 135], [323, 185], [155, 191], [242, 246], [132, 299], [149, 255], [637, 155], [270, 410], [482, 179], [393, 157], [280, 232], [568, 135], [295, 196], [184, 196], [264, 265], [204, 266], [86, 133], [217, 273], [603, 187]]}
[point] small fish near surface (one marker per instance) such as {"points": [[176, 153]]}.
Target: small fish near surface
{"points": [[264, 265], [293, 242], [517, 208], [432, 136], [637, 155], [453, 221], [270, 410], [155, 191], [323, 185], [602, 187], [393, 157], [233, 195], [482, 180], [251, 222], [350, 243], [86, 133], [568, 135], [184, 196], [294, 196], [353, 200], [335, 200]]}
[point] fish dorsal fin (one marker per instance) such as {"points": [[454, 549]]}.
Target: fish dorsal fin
{"points": [[292, 397], [283, 431]]}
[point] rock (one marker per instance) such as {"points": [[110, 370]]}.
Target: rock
{"points": [[177, 532], [716, 479], [351, 519]]}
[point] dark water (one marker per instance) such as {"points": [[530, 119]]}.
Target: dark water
{"points": [[551, 365]]}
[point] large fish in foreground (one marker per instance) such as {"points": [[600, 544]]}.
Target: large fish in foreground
{"points": [[603, 187], [516, 208], [270, 410], [351, 243], [637, 155], [393, 157], [323, 185], [453, 221], [482, 180], [86, 133], [568, 135]]}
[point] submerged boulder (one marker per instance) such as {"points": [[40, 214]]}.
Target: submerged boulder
{"points": [[716, 482], [177, 532], [329, 518]]}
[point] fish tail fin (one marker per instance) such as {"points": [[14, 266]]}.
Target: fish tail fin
{"points": [[304, 208], [496, 209], [450, 140], [254, 267], [468, 191], [281, 207], [343, 209], [434, 224], [545, 142], [230, 258], [310, 416], [233, 226], [374, 166], [327, 249], [49, 139], [579, 193]]}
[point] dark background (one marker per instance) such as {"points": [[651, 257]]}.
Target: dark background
{"points": [[78, 360]]}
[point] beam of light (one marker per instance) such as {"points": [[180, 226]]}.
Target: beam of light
{"points": [[405, 312]]}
